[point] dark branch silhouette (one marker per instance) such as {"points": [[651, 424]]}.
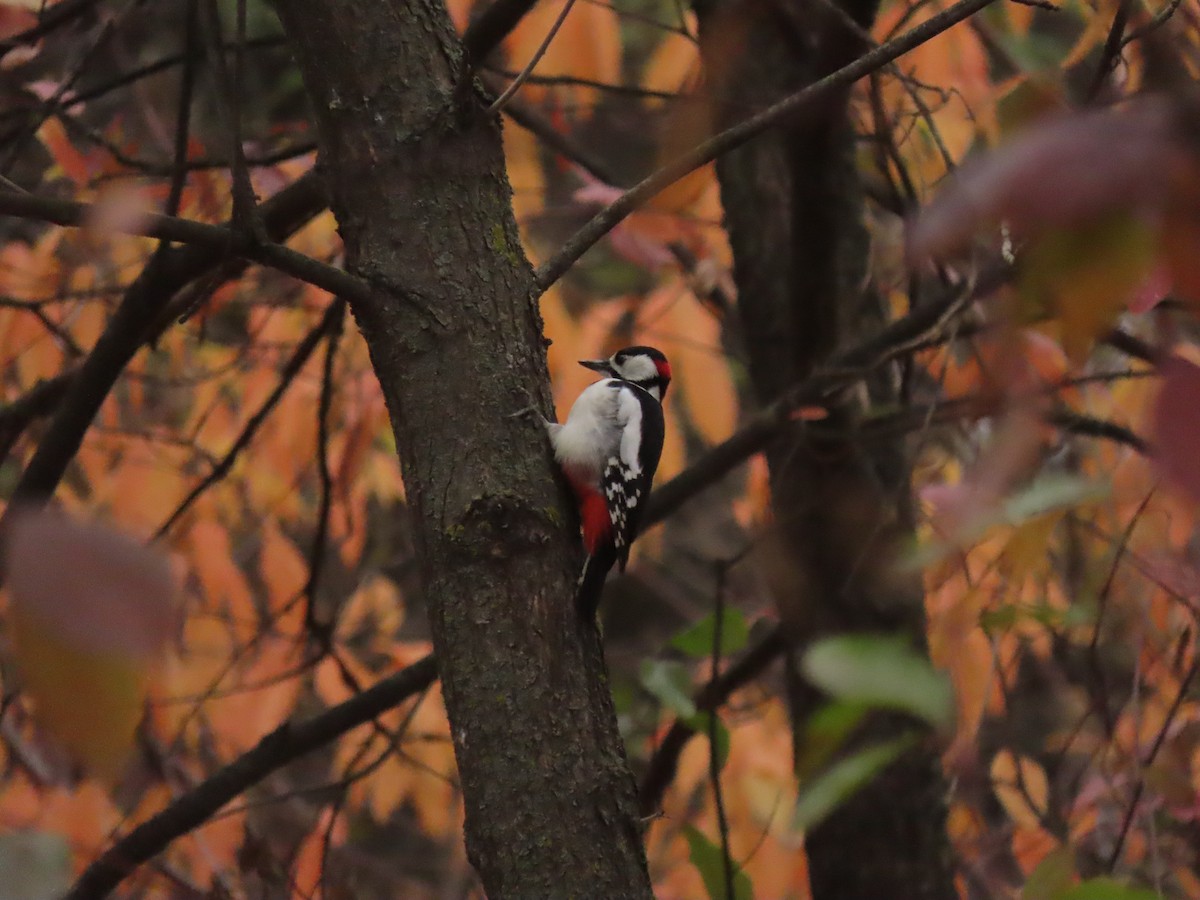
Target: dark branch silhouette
{"points": [[286, 743]]}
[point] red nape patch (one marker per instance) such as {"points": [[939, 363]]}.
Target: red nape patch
{"points": [[664, 368], [596, 523]]}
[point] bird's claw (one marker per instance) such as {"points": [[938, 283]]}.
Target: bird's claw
{"points": [[529, 410]]}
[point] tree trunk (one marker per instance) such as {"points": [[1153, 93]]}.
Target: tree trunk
{"points": [[793, 209], [417, 177]]}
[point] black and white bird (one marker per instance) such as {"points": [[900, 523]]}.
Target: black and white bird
{"points": [[609, 449]]}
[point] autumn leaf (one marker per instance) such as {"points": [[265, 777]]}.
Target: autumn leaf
{"points": [[1021, 787], [1087, 275], [880, 672], [1059, 175], [92, 611], [587, 46], [1175, 425]]}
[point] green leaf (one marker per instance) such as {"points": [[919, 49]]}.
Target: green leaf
{"points": [[1085, 274], [1002, 618], [821, 796], [1052, 493], [881, 671], [1106, 889], [697, 641], [699, 723], [710, 862], [34, 864], [1046, 494], [1052, 876], [671, 683], [825, 733]]}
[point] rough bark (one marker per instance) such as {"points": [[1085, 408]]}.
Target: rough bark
{"points": [[793, 208], [417, 177]]}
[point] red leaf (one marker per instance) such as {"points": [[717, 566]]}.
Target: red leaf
{"points": [[98, 587], [1177, 426], [1151, 292], [14, 20], [91, 611], [1059, 175]]}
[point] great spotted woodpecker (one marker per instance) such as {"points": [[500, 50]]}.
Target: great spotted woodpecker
{"points": [[609, 448]]}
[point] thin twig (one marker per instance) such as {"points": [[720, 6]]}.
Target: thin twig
{"points": [[1148, 759], [500, 102], [330, 322], [225, 238], [286, 743], [604, 221], [322, 631], [46, 108], [227, 92], [132, 76], [494, 24], [141, 166], [660, 771], [714, 760], [1160, 18], [50, 18], [135, 323], [1111, 54], [183, 117]]}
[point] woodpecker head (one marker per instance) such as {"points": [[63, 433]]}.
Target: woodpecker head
{"points": [[643, 366]]}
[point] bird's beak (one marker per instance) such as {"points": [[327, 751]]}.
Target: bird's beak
{"points": [[597, 365]]}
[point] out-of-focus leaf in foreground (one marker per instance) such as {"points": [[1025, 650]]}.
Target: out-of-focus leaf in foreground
{"points": [[671, 683], [697, 640], [1138, 166], [880, 671], [1176, 426], [1061, 174], [821, 796], [1106, 889], [1044, 496], [708, 859], [91, 612], [34, 865]]}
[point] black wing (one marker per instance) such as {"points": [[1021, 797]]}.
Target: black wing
{"points": [[629, 473]]}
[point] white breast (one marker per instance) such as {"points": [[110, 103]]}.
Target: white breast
{"points": [[591, 434]]}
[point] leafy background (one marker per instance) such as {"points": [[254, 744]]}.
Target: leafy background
{"points": [[249, 444]]}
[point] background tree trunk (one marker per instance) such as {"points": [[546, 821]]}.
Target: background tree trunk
{"points": [[794, 208], [417, 177]]}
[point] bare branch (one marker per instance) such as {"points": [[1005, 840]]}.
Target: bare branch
{"points": [[1110, 56], [50, 18], [322, 629], [135, 321], [500, 102], [844, 369], [301, 355], [223, 238], [494, 25], [661, 771], [183, 115], [604, 221], [285, 744], [36, 403]]}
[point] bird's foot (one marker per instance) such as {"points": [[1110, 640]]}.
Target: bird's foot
{"points": [[531, 410]]}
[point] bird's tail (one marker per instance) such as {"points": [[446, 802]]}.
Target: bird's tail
{"points": [[591, 582]]}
